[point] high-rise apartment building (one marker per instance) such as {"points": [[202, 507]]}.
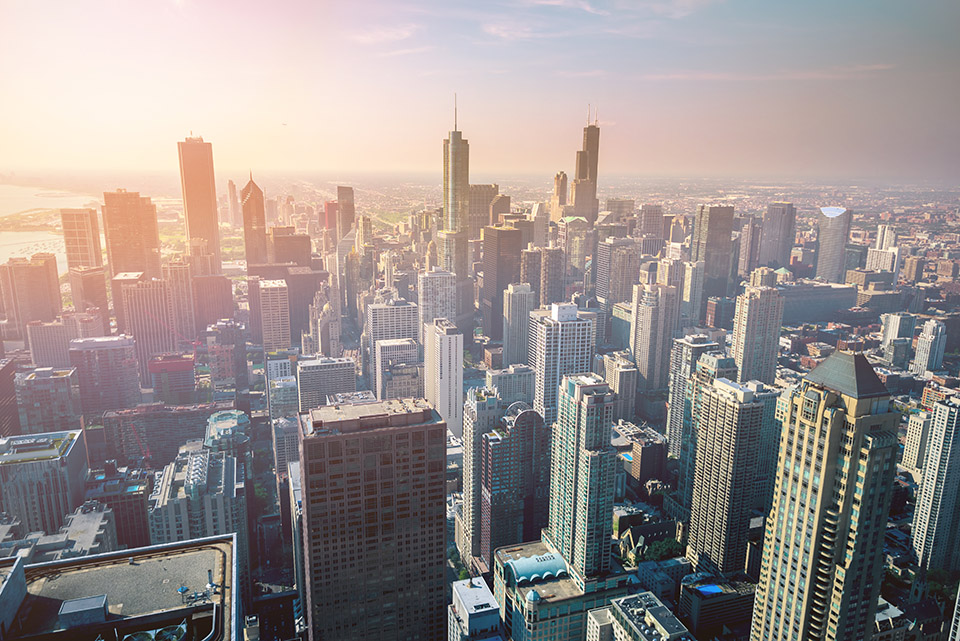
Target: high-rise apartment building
{"points": [[274, 311], [915, 449], [49, 400], [501, 266], [713, 245], [30, 291], [936, 529], [519, 300], [530, 262], [621, 375], [396, 318], [821, 568], [779, 231], [913, 267], [473, 614], [756, 334], [233, 204], [832, 235], [41, 477], [437, 297], [108, 372], [514, 479], [125, 491], [617, 268], [481, 413], [200, 195], [443, 372], [583, 475], [374, 571], [684, 355], [655, 319], [320, 377], [48, 343], [148, 317], [729, 425], [131, 233], [513, 383], [931, 345], [552, 276], [254, 223], [560, 342], [81, 237], [898, 325]]}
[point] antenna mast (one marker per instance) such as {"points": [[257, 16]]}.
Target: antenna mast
{"points": [[455, 111]]}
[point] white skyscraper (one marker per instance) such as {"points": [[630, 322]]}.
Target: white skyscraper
{"points": [[397, 318], [274, 315], [654, 321], [779, 230], [320, 377], [437, 291], [443, 372], [518, 301], [481, 413], [834, 230], [756, 333], [936, 528], [683, 363], [930, 347], [393, 351], [691, 301], [560, 343]]}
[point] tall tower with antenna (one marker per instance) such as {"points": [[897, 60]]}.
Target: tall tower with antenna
{"points": [[584, 190]]}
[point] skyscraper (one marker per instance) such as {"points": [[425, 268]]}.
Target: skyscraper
{"points": [[651, 220], [346, 210], [456, 181], [897, 326], [684, 355], [30, 289], [88, 288], [392, 352], [443, 372], [480, 197], [583, 475], [560, 342], [178, 275], [756, 333], [691, 301], [481, 412], [81, 236], [552, 276], [200, 194], [655, 312], [148, 317], [713, 245], [393, 319], [583, 193], [501, 266], [254, 223], [437, 297], [749, 249], [617, 265], [108, 373], [49, 400], [274, 315], [374, 571], [821, 570], [132, 235], [779, 231], [936, 529], [930, 347], [833, 231], [728, 424], [621, 375], [236, 217], [518, 301]]}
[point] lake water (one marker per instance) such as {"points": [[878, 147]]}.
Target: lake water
{"points": [[15, 199], [27, 243]]}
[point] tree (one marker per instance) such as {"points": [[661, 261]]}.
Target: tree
{"points": [[660, 550]]}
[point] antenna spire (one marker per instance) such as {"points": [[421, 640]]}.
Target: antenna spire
{"points": [[588, 113], [455, 111]]}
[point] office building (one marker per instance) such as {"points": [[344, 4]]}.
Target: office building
{"points": [[125, 491], [9, 412], [530, 262], [501, 267], [513, 383], [930, 348], [30, 291], [748, 248], [582, 475], [178, 275], [274, 308], [651, 220], [443, 372], [833, 233], [915, 449], [148, 317], [285, 246], [841, 432], [621, 375], [374, 572], [560, 342], [756, 333], [655, 319], [728, 422], [552, 276], [936, 530], [519, 300], [617, 265], [48, 343], [88, 530], [88, 288], [150, 435], [108, 372], [473, 614], [713, 245], [173, 379], [254, 224], [81, 237], [437, 297], [390, 352], [583, 191], [131, 233], [683, 363], [395, 318], [779, 227], [283, 397], [41, 477], [711, 604], [320, 377], [49, 400], [346, 210], [639, 617], [897, 325], [481, 412], [480, 198], [200, 195], [691, 299], [514, 480], [403, 380]]}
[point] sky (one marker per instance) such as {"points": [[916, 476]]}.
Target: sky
{"points": [[687, 88]]}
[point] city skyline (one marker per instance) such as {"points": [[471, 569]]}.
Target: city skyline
{"points": [[702, 88]]}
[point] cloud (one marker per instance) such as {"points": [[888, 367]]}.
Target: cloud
{"points": [[406, 52], [847, 72], [382, 34], [572, 4], [591, 73]]}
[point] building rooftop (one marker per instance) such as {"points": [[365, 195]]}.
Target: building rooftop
{"points": [[538, 581], [355, 417], [36, 447], [166, 583], [102, 342], [475, 595], [649, 618], [849, 374]]}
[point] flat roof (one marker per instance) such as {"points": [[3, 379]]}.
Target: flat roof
{"points": [[136, 583], [36, 447], [347, 417], [475, 596]]}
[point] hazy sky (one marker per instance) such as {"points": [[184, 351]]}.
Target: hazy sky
{"points": [[684, 87]]}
